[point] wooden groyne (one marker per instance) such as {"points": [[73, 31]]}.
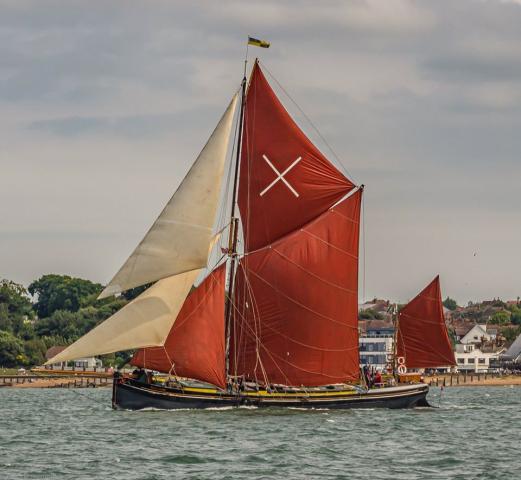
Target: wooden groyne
{"points": [[72, 371], [55, 381]]}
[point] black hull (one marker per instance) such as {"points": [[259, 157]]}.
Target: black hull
{"points": [[130, 395]]}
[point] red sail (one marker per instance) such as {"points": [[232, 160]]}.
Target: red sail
{"points": [[194, 347], [284, 179], [296, 320], [422, 334]]}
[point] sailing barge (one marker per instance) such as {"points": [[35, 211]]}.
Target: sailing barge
{"points": [[273, 321]]}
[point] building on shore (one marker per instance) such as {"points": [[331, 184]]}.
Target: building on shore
{"points": [[89, 363], [479, 347], [471, 358], [478, 334], [460, 329], [376, 342], [511, 359]]}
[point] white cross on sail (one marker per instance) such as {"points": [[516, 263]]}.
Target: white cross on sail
{"points": [[280, 176]]}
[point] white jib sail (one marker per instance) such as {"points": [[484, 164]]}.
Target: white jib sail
{"points": [[179, 239], [144, 322]]}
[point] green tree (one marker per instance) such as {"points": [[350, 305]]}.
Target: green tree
{"points": [[52, 341], [26, 332], [452, 337], [61, 292], [515, 316], [510, 333], [135, 292], [72, 325], [450, 303], [500, 318], [497, 302], [15, 306], [61, 323], [11, 350], [35, 352], [369, 314]]}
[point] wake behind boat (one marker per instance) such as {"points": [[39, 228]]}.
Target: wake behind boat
{"points": [[273, 320]]}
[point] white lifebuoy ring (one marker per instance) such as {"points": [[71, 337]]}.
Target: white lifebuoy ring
{"points": [[401, 360], [402, 369]]}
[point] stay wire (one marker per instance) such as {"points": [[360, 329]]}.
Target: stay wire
{"points": [[363, 248], [87, 397], [80, 394]]}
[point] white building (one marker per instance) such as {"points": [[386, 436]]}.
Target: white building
{"points": [[471, 359], [87, 362], [477, 334], [374, 350]]}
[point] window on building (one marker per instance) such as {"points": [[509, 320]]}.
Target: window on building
{"points": [[481, 360], [461, 360], [472, 360]]}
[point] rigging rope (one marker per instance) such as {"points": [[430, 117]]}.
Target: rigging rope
{"points": [[363, 247], [296, 302], [87, 397]]}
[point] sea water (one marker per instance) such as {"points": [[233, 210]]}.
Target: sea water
{"points": [[74, 434]]}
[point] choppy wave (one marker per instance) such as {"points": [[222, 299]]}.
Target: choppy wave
{"points": [[51, 434]]}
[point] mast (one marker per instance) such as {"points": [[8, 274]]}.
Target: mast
{"points": [[395, 318], [234, 225]]}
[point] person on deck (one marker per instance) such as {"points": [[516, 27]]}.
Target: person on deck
{"points": [[367, 376], [140, 375], [377, 378]]}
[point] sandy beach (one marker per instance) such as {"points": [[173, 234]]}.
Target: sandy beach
{"points": [[474, 380]]}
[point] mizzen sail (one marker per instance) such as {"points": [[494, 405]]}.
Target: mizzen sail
{"points": [[180, 238], [194, 347], [422, 337]]}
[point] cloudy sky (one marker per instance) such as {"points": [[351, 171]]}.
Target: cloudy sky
{"points": [[104, 105]]}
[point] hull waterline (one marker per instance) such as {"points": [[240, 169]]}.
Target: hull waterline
{"points": [[132, 395]]}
